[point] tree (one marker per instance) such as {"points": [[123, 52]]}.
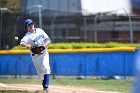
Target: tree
{"points": [[12, 5]]}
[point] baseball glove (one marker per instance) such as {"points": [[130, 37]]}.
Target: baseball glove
{"points": [[37, 49]]}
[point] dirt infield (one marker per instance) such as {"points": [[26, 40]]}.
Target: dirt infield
{"points": [[52, 89]]}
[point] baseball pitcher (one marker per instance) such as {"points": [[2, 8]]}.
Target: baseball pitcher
{"points": [[37, 41]]}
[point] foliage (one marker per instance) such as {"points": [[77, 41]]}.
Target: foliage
{"points": [[18, 48], [83, 45], [12, 5]]}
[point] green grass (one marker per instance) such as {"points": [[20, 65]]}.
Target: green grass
{"points": [[81, 45], [122, 86]]}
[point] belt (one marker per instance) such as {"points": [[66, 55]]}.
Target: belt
{"points": [[37, 54]]}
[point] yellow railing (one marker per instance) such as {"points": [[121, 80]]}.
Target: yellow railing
{"points": [[72, 50]]}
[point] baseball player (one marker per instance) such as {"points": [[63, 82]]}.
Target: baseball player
{"points": [[37, 41]]}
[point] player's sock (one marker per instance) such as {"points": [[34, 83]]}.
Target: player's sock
{"points": [[46, 80]]}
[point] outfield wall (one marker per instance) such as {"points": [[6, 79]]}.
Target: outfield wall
{"points": [[106, 61]]}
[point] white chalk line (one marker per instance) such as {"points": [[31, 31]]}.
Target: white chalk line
{"points": [[3, 85], [9, 86]]}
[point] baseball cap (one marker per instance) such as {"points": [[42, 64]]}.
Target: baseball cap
{"points": [[27, 22]]}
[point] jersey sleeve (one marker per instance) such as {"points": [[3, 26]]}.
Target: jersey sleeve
{"points": [[24, 40], [46, 36]]}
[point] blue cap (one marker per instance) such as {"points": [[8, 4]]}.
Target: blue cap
{"points": [[27, 22]]}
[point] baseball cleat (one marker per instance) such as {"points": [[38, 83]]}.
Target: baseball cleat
{"points": [[45, 90]]}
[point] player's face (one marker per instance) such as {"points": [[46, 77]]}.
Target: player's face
{"points": [[30, 27]]}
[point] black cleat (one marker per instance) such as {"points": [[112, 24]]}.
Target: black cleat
{"points": [[45, 90]]}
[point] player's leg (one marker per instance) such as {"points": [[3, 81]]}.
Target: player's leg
{"points": [[39, 68], [46, 71], [46, 81]]}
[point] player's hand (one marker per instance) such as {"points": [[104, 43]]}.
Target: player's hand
{"points": [[28, 46]]}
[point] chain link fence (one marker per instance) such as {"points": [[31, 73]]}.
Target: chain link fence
{"points": [[71, 27]]}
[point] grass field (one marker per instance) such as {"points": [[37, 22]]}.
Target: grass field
{"points": [[122, 86]]}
